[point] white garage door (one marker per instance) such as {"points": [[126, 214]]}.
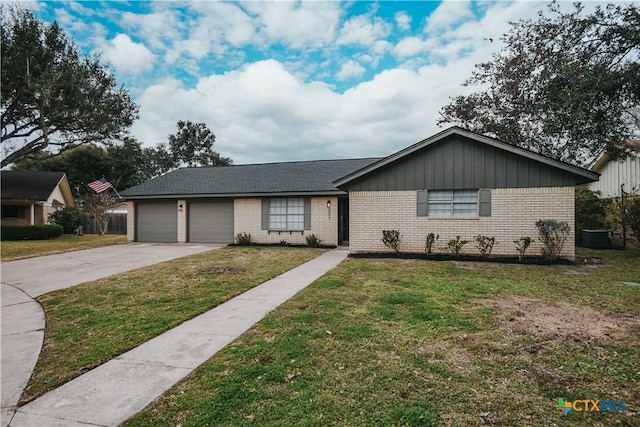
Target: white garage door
{"points": [[211, 222], [157, 222]]}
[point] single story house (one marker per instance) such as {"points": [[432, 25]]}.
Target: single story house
{"points": [[613, 174], [29, 197], [454, 183]]}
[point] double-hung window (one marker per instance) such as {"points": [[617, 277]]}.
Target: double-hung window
{"points": [[452, 203], [286, 214]]}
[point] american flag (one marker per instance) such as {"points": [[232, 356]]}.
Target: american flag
{"points": [[100, 185]]}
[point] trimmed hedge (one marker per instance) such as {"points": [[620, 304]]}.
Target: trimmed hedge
{"points": [[31, 232]]}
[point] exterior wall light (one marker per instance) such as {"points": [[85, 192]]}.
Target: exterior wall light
{"points": [[329, 204], [180, 207]]}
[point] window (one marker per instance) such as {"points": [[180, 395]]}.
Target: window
{"points": [[286, 214], [452, 203], [13, 211]]}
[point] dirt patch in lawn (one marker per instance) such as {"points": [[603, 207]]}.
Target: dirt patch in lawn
{"points": [[560, 322]]}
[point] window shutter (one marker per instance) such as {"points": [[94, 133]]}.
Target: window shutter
{"points": [[307, 213], [484, 202], [422, 202], [266, 202]]}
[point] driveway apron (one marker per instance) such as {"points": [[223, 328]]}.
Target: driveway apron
{"points": [[121, 387], [22, 318]]}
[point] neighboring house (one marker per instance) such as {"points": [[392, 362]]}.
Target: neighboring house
{"points": [[615, 173], [454, 183], [29, 197]]}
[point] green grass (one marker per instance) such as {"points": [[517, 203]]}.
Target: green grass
{"points": [[12, 250], [402, 342], [87, 325]]}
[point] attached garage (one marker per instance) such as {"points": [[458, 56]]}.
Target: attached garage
{"points": [[157, 222], [210, 221]]}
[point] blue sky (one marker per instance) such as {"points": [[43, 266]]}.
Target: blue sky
{"points": [[285, 80]]}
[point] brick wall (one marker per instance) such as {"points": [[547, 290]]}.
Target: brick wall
{"points": [[514, 212], [247, 218]]}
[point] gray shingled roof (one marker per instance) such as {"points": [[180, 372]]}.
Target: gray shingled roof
{"points": [[269, 178], [19, 185]]}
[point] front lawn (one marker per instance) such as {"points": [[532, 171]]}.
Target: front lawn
{"points": [[410, 342], [11, 250], [93, 322]]}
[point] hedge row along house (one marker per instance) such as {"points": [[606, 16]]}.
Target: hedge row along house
{"points": [[454, 183]]}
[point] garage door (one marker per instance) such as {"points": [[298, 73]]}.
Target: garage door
{"points": [[157, 222], [211, 222]]}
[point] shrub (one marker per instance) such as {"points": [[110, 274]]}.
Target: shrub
{"points": [[454, 246], [632, 216], [313, 241], [283, 243], [553, 235], [522, 244], [31, 232], [243, 239], [485, 244], [391, 239], [591, 211], [431, 239], [68, 217]]}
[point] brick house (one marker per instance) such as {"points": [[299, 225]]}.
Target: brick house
{"points": [[29, 197], [454, 183]]}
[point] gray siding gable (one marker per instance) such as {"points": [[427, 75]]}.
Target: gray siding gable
{"points": [[458, 159]]}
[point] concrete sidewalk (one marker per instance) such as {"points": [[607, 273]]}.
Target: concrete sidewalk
{"points": [[22, 318], [22, 322], [118, 389]]}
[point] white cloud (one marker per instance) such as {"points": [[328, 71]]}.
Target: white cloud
{"points": [[410, 46], [448, 14], [223, 22], [126, 55], [262, 112], [296, 24], [364, 30], [349, 70], [156, 28], [403, 20], [449, 39]]}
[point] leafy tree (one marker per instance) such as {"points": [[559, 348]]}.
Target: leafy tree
{"points": [[128, 164], [192, 144], [51, 96], [158, 161], [99, 206], [565, 85], [82, 164]]}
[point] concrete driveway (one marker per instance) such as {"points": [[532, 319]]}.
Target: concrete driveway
{"points": [[22, 318]]}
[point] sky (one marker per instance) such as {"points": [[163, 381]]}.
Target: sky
{"points": [[289, 80]]}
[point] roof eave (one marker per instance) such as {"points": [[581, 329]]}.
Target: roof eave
{"points": [[237, 195]]}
